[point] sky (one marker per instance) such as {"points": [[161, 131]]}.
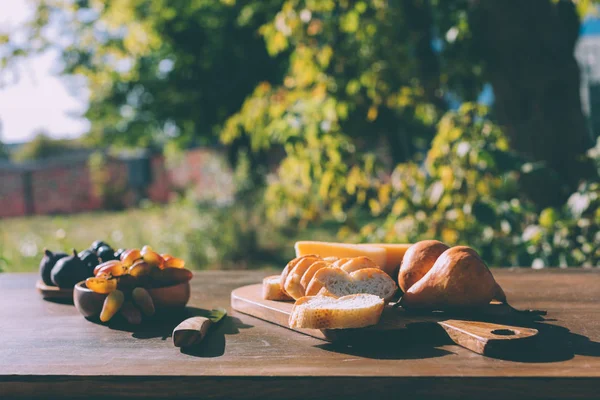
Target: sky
{"points": [[39, 99]]}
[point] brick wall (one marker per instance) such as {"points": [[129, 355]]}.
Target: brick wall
{"points": [[12, 194], [65, 187]]}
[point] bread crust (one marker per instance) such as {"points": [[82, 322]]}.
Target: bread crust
{"points": [[271, 290], [288, 268], [356, 263], [311, 271], [293, 286], [317, 313]]}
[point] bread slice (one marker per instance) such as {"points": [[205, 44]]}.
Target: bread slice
{"points": [[272, 289], [292, 286], [337, 282], [311, 271], [290, 266], [324, 312], [356, 263]]}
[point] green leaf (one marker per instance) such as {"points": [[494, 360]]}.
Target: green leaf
{"points": [[217, 314]]}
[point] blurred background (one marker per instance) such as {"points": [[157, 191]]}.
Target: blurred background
{"points": [[221, 131]]}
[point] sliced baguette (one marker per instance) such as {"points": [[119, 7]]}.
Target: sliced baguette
{"points": [[341, 261], [336, 282], [356, 263], [272, 289], [292, 286], [311, 271], [290, 266], [323, 312]]}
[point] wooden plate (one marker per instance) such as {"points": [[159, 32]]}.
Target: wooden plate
{"points": [[53, 292]]}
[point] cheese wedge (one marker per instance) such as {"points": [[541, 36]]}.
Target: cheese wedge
{"points": [[341, 250], [394, 253]]}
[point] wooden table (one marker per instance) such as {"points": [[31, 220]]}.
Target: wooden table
{"points": [[48, 350]]}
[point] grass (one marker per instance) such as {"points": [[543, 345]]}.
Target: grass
{"points": [[207, 238]]}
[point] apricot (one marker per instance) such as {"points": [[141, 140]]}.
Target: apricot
{"points": [[112, 304], [105, 264], [153, 258], [144, 301], [116, 269], [130, 256], [140, 268], [174, 262], [101, 285]]}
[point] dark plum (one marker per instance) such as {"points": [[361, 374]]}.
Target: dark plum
{"points": [[90, 260], [68, 271], [105, 253], [47, 263], [118, 253], [97, 245]]}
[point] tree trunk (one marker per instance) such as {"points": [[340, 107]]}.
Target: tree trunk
{"points": [[528, 56]]}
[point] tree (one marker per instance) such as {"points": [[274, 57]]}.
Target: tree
{"points": [[344, 89], [527, 51], [3, 152], [367, 88], [163, 70], [41, 147]]}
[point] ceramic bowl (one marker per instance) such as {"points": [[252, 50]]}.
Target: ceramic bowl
{"points": [[90, 303]]}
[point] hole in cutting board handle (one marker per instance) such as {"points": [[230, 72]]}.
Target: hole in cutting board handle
{"points": [[504, 332]]}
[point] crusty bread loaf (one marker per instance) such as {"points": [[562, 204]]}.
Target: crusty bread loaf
{"points": [[324, 312], [356, 263], [337, 282], [290, 266], [341, 261], [311, 271], [292, 286], [272, 289]]}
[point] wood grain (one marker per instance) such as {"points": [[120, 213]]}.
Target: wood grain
{"points": [[48, 347]]}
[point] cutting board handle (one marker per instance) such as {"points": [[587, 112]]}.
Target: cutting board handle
{"points": [[480, 336]]}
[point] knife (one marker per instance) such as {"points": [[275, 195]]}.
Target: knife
{"points": [[191, 331]]}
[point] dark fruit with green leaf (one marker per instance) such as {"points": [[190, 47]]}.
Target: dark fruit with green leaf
{"points": [[48, 262], [68, 271], [97, 244], [105, 253], [90, 260]]}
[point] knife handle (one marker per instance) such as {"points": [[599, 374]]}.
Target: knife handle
{"points": [[191, 331]]}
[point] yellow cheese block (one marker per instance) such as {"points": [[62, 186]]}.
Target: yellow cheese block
{"points": [[387, 256], [340, 250], [394, 256]]}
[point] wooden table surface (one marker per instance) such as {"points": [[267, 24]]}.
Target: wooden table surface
{"points": [[49, 350]]}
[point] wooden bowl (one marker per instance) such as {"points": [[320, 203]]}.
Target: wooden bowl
{"points": [[89, 303]]}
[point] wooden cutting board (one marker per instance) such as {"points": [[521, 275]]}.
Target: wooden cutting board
{"points": [[53, 292], [470, 331]]}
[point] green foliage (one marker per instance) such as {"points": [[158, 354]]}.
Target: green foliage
{"points": [[3, 152], [206, 237], [158, 70], [467, 193], [42, 146]]}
